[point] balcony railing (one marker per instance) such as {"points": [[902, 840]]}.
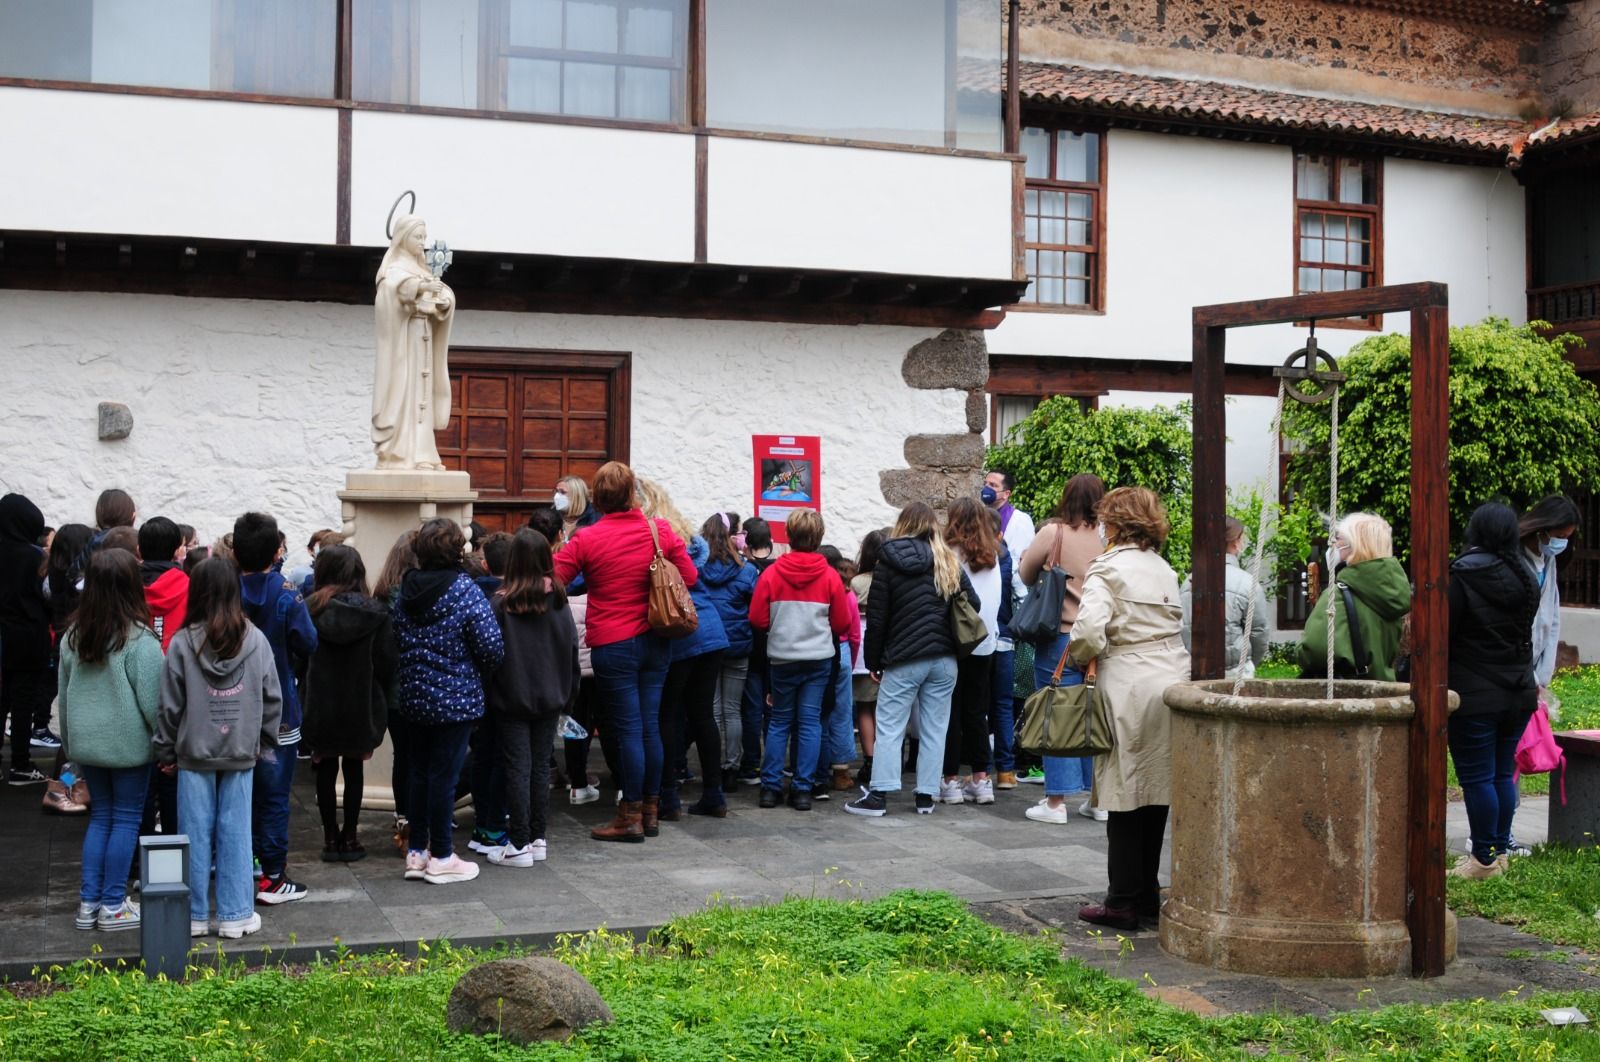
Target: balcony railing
{"points": [[1566, 303]]}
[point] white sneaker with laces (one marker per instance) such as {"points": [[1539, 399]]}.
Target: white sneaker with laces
{"points": [[199, 927], [234, 928], [1043, 812], [511, 856], [449, 871], [950, 791], [979, 792], [1097, 814], [124, 916], [88, 914], [587, 795]]}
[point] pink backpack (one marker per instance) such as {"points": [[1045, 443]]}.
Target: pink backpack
{"points": [[1538, 753]]}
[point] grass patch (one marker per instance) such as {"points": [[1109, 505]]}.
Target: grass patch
{"points": [[1553, 894], [909, 976]]}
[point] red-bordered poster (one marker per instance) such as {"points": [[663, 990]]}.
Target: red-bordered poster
{"points": [[788, 476]]}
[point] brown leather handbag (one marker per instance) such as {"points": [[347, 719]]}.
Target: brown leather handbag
{"points": [[671, 611]]}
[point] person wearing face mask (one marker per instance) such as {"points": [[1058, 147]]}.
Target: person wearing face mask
{"points": [[1360, 559], [1546, 528], [1016, 526], [571, 500]]}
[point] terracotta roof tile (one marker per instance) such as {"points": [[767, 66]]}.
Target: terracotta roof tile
{"points": [[1210, 101]]}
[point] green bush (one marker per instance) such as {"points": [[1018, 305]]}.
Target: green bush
{"points": [[1522, 425]]}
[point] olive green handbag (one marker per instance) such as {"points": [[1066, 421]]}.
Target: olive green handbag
{"points": [[967, 628], [1062, 720]]}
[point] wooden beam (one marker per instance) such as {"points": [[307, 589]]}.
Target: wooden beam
{"points": [[247, 259], [305, 262], [341, 191], [702, 202], [1430, 632], [1209, 628], [1045, 375], [187, 259], [1322, 306], [124, 255], [836, 288], [1013, 116]]}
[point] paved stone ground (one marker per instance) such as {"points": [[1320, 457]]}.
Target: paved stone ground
{"points": [[1020, 874]]}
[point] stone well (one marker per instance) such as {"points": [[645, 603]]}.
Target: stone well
{"points": [[1289, 828]]}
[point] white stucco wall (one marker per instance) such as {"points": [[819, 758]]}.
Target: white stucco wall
{"points": [[264, 405]]}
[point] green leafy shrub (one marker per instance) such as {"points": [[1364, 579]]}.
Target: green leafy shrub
{"points": [[1522, 425]]}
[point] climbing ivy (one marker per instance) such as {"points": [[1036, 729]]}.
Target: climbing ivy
{"points": [[1523, 425]]}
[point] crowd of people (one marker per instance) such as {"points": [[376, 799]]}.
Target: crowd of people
{"points": [[187, 680]]}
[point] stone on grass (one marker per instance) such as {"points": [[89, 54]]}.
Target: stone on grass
{"points": [[524, 1001]]}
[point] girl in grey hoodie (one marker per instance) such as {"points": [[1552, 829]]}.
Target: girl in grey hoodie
{"points": [[220, 705]]}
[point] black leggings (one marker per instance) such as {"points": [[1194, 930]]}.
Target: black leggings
{"points": [[354, 782], [967, 740], [687, 704], [1133, 858], [576, 752]]}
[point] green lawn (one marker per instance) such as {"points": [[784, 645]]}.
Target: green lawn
{"points": [[910, 976], [1553, 894]]}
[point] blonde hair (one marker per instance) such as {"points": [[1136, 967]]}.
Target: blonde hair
{"points": [[918, 520], [655, 502], [805, 530], [1368, 535], [577, 501]]}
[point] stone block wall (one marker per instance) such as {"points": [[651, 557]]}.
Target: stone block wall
{"points": [[1299, 45], [1571, 57], [944, 466]]}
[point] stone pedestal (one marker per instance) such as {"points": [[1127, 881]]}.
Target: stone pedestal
{"points": [[379, 505], [1289, 828]]}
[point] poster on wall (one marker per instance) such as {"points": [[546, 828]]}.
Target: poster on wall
{"points": [[788, 476]]}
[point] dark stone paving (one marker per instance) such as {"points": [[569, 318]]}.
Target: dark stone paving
{"points": [[1019, 874]]}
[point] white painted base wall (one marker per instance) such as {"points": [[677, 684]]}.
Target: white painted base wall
{"points": [[264, 405]]}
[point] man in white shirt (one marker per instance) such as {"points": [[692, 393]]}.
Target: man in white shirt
{"points": [[1016, 526]]}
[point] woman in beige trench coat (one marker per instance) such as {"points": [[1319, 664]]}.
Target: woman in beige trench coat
{"points": [[1130, 621]]}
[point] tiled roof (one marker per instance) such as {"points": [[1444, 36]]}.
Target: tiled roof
{"points": [[1151, 97], [1565, 129], [1517, 14]]}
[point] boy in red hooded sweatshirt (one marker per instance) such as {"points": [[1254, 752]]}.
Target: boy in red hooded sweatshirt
{"points": [[800, 603], [166, 587]]}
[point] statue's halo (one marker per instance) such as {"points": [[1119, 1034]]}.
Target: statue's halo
{"points": [[388, 226]]}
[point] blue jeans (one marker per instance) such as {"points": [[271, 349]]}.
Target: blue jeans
{"points": [[839, 727], [927, 686], [1484, 748], [1062, 774], [437, 754], [116, 803], [797, 691], [629, 675], [753, 711], [270, 816], [213, 811], [1003, 717]]}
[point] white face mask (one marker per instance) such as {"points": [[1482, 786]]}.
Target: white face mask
{"points": [[1100, 529], [1555, 546], [1333, 558], [561, 502]]}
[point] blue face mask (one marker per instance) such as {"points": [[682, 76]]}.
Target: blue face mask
{"points": [[988, 495], [1554, 546]]}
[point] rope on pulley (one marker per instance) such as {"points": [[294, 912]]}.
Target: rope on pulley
{"points": [[1328, 381]]}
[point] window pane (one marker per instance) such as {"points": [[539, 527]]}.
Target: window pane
{"points": [[591, 26], [1359, 228], [1030, 229], [1335, 226], [1053, 230], [1052, 290], [533, 85], [1080, 206], [1313, 177], [1030, 201], [1309, 280], [844, 68], [1310, 250], [1032, 259], [646, 94], [1357, 181], [649, 31], [1077, 156], [589, 89], [1077, 293], [1052, 263], [1310, 224], [1357, 253], [1036, 149], [536, 23], [1053, 203], [1077, 264]]}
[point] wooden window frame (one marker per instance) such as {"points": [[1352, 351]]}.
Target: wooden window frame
{"points": [[1372, 212], [1096, 248]]}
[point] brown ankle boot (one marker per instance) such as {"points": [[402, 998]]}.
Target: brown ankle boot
{"points": [[651, 816], [625, 827]]}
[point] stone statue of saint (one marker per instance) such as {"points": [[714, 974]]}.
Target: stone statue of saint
{"points": [[411, 393]]}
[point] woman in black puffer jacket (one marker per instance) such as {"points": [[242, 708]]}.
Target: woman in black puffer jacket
{"points": [[910, 650], [1492, 604]]}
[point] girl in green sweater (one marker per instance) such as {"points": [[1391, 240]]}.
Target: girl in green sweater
{"points": [[109, 692]]}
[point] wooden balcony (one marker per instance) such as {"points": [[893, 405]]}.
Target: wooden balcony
{"points": [[1572, 308]]}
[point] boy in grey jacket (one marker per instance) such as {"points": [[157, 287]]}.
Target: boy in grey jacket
{"points": [[219, 714], [1239, 586]]}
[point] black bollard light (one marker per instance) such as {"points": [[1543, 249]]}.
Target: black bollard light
{"points": [[164, 906]]}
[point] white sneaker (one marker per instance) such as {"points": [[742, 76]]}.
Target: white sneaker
{"points": [[510, 856], [199, 927], [124, 916], [88, 914], [587, 795], [950, 791], [449, 871], [234, 928], [416, 865], [979, 792], [540, 850], [1097, 814], [1043, 812]]}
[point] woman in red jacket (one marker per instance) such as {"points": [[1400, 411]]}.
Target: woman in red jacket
{"points": [[630, 660]]}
